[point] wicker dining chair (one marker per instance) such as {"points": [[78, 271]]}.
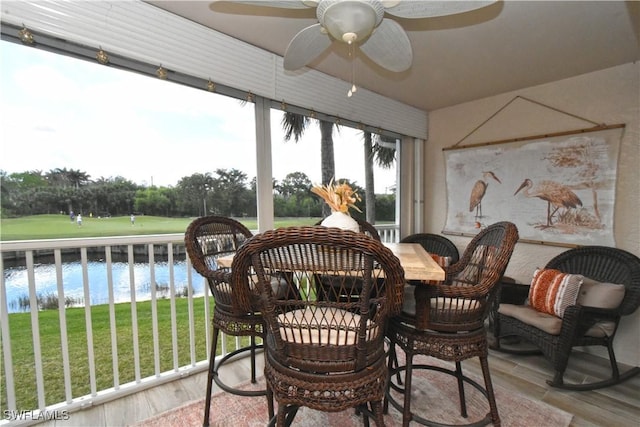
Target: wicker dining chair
{"points": [[206, 239], [443, 251], [323, 354], [446, 320], [610, 290]]}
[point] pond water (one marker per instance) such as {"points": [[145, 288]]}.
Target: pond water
{"points": [[17, 287]]}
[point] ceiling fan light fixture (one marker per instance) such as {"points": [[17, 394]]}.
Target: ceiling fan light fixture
{"points": [[361, 25], [351, 20]]}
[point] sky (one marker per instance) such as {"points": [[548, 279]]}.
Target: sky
{"points": [[60, 112]]}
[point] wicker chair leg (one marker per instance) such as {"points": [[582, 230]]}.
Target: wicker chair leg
{"points": [[253, 359], [491, 397], [392, 364], [463, 399], [558, 379], [270, 404], [406, 413], [290, 411], [365, 414], [281, 417], [615, 373], [212, 361], [285, 415], [615, 378], [376, 408]]}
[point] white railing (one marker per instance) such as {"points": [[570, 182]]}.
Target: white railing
{"points": [[27, 251], [389, 233], [149, 247]]}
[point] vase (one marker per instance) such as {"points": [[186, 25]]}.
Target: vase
{"points": [[341, 220]]}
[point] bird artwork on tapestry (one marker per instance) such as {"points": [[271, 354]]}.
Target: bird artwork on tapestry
{"points": [[557, 196], [478, 191]]}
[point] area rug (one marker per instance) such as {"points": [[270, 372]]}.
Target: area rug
{"points": [[435, 396]]}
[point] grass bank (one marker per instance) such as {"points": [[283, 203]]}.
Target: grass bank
{"points": [[59, 226], [53, 371]]}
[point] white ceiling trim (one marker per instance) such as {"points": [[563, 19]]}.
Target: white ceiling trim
{"points": [[146, 33]]}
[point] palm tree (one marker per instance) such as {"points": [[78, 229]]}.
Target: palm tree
{"points": [[294, 126], [375, 148], [57, 177], [77, 178]]}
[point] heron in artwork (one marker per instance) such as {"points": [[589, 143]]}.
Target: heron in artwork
{"points": [[555, 194], [478, 191]]}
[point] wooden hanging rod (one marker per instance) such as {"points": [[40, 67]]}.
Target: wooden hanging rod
{"points": [[531, 241], [547, 135]]}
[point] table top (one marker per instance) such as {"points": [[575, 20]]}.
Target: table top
{"points": [[415, 260]]}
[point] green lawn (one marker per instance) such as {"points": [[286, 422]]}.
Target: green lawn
{"points": [[24, 361], [59, 226]]}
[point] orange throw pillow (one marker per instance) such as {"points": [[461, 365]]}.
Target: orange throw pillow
{"points": [[552, 291]]}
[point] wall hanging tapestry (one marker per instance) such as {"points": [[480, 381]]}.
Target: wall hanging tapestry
{"points": [[558, 189]]}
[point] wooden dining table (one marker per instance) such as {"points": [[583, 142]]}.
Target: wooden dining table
{"points": [[416, 262], [414, 259]]}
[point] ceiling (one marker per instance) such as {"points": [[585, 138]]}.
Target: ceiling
{"points": [[506, 46]]}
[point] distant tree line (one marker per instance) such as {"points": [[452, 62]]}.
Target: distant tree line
{"points": [[226, 192]]}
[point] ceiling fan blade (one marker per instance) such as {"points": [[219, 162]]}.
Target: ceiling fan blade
{"points": [[282, 4], [305, 46], [389, 46], [430, 9]]}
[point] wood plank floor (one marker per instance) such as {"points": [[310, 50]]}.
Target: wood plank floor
{"points": [[609, 407]]}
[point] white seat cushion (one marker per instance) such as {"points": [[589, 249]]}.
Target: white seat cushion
{"points": [[548, 322], [441, 303], [600, 294], [320, 325]]}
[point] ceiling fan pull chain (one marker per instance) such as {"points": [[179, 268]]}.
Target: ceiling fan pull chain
{"points": [[353, 70]]}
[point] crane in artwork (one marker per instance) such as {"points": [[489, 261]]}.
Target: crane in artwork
{"points": [[555, 194], [478, 191]]}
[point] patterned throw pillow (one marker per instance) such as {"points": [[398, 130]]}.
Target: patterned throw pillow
{"points": [[552, 291]]}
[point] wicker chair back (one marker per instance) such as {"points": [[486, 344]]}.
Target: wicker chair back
{"points": [[435, 244], [206, 239], [463, 301], [329, 350]]}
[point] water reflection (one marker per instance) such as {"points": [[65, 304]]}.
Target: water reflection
{"points": [[17, 287]]}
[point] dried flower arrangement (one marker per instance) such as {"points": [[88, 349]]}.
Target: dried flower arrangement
{"points": [[339, 196]]}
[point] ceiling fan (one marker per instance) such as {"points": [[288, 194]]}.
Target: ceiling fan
{"points": [[362, 23]]}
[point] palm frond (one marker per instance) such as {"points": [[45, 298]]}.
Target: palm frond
{"points": [[294, 125]]}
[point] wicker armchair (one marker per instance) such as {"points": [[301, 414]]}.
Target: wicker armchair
{"points": [[585, 323], [446, 320], [206, 239], [365, 227], [323, 354]]}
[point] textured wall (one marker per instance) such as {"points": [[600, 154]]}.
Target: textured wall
{"points": [[609, 96]]}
